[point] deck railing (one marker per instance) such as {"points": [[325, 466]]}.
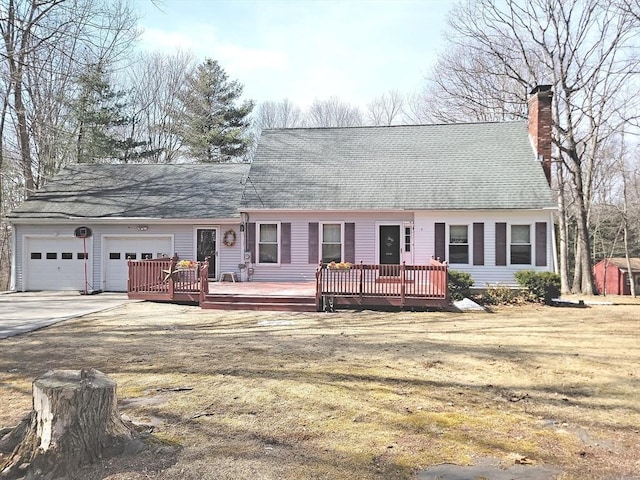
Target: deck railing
{"points": [[400, 285], [164, 279]]}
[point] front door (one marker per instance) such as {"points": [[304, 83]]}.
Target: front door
{"points": [[206, 247], [389, 244]]}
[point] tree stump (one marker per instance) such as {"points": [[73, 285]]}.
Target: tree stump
{"points": [[74, 421]]}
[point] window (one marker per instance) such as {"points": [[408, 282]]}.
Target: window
{"points": [[407, 239], [52, 256], [130, 256], [458, 244], [82, 256], [114, 256], [520, 244], [67, 256], [146, 256], [268, 243], [331, 242], [36, 256]]}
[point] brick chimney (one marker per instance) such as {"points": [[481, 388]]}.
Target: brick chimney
{"points": [[540, 125]]}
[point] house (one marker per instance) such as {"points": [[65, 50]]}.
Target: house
{"points": [[78, 232], [475, 195], [612, 278]]}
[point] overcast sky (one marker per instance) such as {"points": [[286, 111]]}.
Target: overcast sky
{"points": [[305, 49]]}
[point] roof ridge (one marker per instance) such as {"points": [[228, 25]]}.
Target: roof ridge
{"points": [[413, 125]]}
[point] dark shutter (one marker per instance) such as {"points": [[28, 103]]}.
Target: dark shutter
{"points": [[313, 243], [440, 241], [350, 242], [251, 241], [285, 239], [501, 243], [478, 243], [541, 244]]}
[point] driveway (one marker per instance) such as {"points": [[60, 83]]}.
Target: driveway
{"points": [[25, 312]]}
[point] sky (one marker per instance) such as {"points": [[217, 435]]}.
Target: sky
{"points": [[304, 49]]}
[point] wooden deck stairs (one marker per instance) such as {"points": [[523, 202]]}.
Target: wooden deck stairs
{"points": [[283, 303]]}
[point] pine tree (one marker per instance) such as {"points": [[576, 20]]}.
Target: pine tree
{"points": [[99, 122], [211, 125]]}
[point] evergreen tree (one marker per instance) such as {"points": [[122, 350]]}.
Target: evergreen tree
{"points": [[99, 122], [211, 125]]}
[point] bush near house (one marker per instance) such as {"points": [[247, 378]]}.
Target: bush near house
{"points": [[542, 286], [460, 284], [503, 295]]}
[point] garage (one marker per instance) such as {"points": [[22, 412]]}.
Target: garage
{"points": [[118, 249], [56, 263]]}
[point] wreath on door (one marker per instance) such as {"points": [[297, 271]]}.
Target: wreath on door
{"points": [[229, 238]]}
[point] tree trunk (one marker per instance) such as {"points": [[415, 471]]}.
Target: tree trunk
{"points": [[563, 234], [74, 422]]}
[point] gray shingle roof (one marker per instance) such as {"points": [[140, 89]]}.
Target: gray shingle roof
{"points": [[142, 191], [453, 166]]}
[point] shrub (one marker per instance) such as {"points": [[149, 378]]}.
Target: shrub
{"points": [[542, 286], [502, 295], [459, 284]]}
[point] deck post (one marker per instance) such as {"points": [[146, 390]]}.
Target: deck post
{"points": [[403, 273], [171, 281], [318, 286]]}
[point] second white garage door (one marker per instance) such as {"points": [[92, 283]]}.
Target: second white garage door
{"points": [[118, 249]]}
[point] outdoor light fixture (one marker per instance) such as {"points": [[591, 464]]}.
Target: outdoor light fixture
{"points": [[143, 228]]}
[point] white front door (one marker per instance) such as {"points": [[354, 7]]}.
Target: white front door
{"points": [[56, 263], [117, 250]]}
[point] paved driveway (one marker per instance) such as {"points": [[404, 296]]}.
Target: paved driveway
{"points": [[25, 312]]}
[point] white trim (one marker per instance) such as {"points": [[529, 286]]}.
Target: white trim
{"points": [[532, 260], [469, 242], [404, 255], [218, 229], [278, 243], [320, 232], [554, 251], [14, 261]]}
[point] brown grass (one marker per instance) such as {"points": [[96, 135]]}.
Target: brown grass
{"points": [[358, 395]]}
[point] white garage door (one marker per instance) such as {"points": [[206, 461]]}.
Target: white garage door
{"points": [[56, 263], [117, 250]]}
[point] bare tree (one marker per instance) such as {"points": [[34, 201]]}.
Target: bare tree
{"points": [[468, 84], [282, 114], [386, 109], [333, 112], [45, 41], [418, 108], [586, 48], [156, 79]]}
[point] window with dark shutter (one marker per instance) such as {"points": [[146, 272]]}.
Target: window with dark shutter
{"points": [[313, 243], [285, 239], [439, 241], [541, 244], [501, 244], [478, 243]]}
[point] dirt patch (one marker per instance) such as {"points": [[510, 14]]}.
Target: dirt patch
{"points": [[358, 395], [489, 468]]}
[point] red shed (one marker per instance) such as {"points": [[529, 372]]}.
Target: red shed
{"points": [[611, 276]]}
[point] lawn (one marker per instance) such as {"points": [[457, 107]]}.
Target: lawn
{"points": [[357, 395]]}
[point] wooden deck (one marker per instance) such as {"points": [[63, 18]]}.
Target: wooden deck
{"points": [[360, 286], [401, 286]]}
